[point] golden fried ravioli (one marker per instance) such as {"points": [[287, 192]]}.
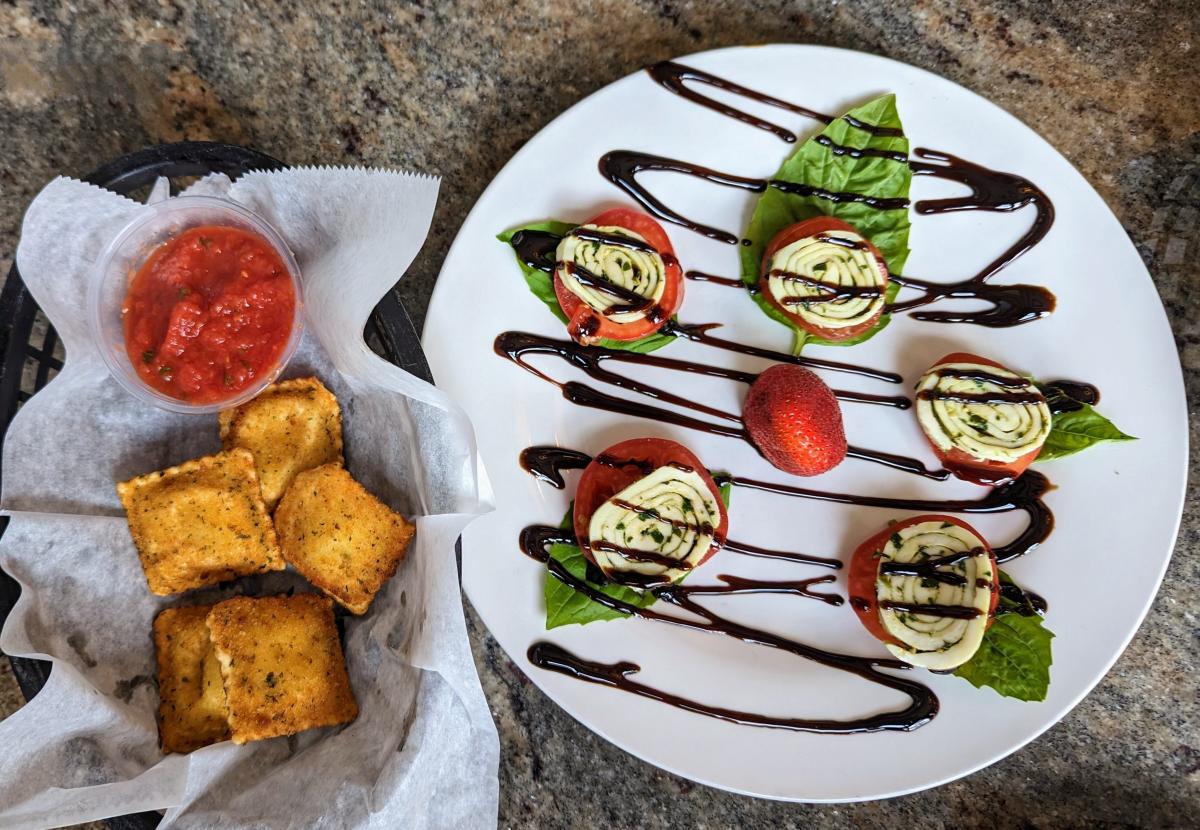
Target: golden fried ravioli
{"points": [[282, 665], [201, 522], [191, 709], [292, 426], [340, 537]]}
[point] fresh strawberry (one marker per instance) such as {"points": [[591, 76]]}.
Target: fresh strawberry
{"points": [[795, 421]]}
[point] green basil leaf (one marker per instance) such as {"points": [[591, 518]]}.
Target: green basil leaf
{"points": [[542, 286], [1071, 432], [1014, 658], [539, 282], [1023, 606], [816, 165], [567, 606], [649, 343]]}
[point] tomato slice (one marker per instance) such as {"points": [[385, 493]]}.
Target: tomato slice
{"points": [[864, 569], [964, 465], [622, 464], [800, 230], [585, 325]]}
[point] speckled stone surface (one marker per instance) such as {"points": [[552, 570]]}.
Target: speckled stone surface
{"points": [[455, 89]]}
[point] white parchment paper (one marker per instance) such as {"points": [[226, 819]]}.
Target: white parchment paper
{"points": [[423, 751]]}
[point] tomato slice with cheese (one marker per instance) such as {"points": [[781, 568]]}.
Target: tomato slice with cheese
{"points": [[617, 277], [825, 277], [927, 588], [647, 512], [986, 423]]}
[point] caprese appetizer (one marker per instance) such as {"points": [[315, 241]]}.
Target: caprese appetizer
{"points": [[986, 423], [825, 277], [616, 277], [647, 512], [927, 588]]}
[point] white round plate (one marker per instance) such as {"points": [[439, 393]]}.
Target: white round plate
{"points": [[1117, 506]]}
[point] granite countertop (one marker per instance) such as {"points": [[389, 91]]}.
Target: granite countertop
{"points": [[455, 89]]}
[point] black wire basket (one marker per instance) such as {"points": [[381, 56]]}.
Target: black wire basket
{"points": [[33, 354]]}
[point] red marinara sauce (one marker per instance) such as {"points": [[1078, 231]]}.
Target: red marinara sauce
{"points": [[208, 313]]}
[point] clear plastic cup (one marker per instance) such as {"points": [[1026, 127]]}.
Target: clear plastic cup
{"points": [[126, 254]]}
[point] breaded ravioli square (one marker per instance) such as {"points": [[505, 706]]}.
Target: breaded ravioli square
{"points": [[282, 665], [340, 537], [292, 426], [200, 523], [191, 709]]}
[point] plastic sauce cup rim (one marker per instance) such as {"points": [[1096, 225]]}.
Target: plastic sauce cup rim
{"points": [[119, 365]]}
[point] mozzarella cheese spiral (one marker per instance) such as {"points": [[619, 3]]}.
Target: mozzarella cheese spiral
{"points": [[659, 527], [624, 282], [831, 280], [946, 567], [989, 413]]}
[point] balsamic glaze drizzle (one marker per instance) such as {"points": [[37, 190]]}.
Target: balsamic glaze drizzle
{"points": [[1028, 603], [619, 241], [897, 462], [555, 658], [767, 553], [826, 292], [535, 541], [537, 537], [735, 585], [515, 346], [699, 333], [993, 398], [536, 249], [983, 376], [956, 612], [633, 300], [672, 76], [931, 568], [1069, 395], [922, 707], [858, 153], [1010, 305], [730, 282], [547, 465], [622, 166], [1023, 493], [993, 190]]}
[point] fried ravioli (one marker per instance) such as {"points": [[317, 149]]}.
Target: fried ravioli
{"points": [[340, 537], [282, 665], [200, 523], [191, 709], [292, 426]]}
